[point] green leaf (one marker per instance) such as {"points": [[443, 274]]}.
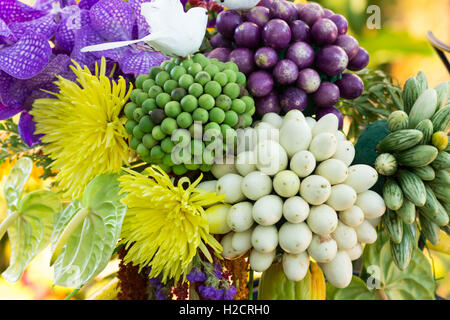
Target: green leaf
{"points": [[87, 231], [16, 180], [414, 283], [30, 232]]}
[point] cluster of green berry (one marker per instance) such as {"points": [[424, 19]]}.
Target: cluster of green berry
{"points": [[197, 94]]}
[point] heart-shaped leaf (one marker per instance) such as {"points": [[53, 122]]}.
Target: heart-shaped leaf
{"points": [[86, 233], [386, 280], [16, 180], [31, 230]]}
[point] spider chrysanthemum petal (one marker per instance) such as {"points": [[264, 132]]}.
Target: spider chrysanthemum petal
{"points": [[83, 131]]}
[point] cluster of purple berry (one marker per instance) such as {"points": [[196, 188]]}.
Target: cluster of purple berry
{"points": [[293, 55], [212, 282]]}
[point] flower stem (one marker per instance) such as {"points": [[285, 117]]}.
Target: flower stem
{"points": [[9, 220], [382, 294], [250, 286], [70, 228]]}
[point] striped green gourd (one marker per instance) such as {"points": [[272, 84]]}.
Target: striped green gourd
{"points": [[407, 211], [413, 187], [400, 140], [423, 108], [417, 156], [394, 225], [392, 195]]}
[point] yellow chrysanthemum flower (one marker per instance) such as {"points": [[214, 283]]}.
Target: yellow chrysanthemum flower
{"points": [[165, 224], [82, 129]]}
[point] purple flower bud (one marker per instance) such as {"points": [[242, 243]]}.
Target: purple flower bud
{"points": [[196, 275], [230, 293]]}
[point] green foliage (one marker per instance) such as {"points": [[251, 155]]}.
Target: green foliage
{"points": [[29, 220], [416, 282], [86, 233]]}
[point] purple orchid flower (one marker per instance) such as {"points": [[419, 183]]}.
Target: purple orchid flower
{"points": [[116, 20]]}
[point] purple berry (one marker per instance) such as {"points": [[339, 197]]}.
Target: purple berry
{"points": [[285, 72], [324, 111], [340, 22], [331, 60], [350, 86], [349, 44], [293, 98], [243, 57], [247, 35], [359, 61], [219, 41], [327, 13], [308, 80], [276, 34], [269, 103], [327, 95], [310, 13], [324, 31], [300, 31], [266, 57], [301, 53], [260, 83], [259, 15], [227, 21]]}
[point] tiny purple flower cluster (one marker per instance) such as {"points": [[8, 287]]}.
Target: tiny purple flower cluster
{"points": [[213, 283]]}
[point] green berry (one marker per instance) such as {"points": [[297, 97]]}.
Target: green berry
{"points": [[213, 88], [212, 126], [157, 116], [138, 113], [212, 69], [238, 106], [142, 150], [129, 109], [218, 63], [249, 102], [197, 147], [186, 63], [157, 153], [148, 84], [178, 94], [167, 160], [192, 166], [154, 72], [181, 137], [201, 115], [194, 69], [169, 125], [134, 142], [177, 61], [161, 78], [138, 133], [165, 63], [165, 168], [232, 90], [134, 93], [251, 111], [224, 128], [229, 134], [189, 103], [177, 72], [221, 78], [167, 145], [154, 91], [162, 99], [149, 105], [184, 120], [231, 118], [196, 89], [201, 59], [216, 115], [157, 133], [231, 66], [204, 167], [224, 102], [169, 85], [172, 109], [179, 169], [247, 119], [146, 124], [196, 130], [149, 141], [129, 126], [206, 102], [140, 80], [202, 77], [231, 75], [141, 97], [169, 66], [185, 81], [241, 79]]}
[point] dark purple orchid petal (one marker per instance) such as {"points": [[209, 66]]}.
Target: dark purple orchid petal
{"points": [[143, 27], [27, 57], [57, 65], [47, 5], [13, 92], [113, 19], [86, 36], [6, 36], [26, 129], [69, 25], [87, 4], [16, 11], [138, 62], [45, 25], [8, 112]]}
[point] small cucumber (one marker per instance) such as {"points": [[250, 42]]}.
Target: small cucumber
{"points": [[417, 156], [394, 225], [441, 119], [398, 120], [442, 178], [400, 140], [423, 108], [426, 127], [422, 82], [442, 161], [443, 93], [441, 185], [413, 187], [446, 229], [402, 252], [425, 173], [407, 212], [431, 209], [430, 230], [386, 164], [439, 139], [392, 195], [410, 93]]}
